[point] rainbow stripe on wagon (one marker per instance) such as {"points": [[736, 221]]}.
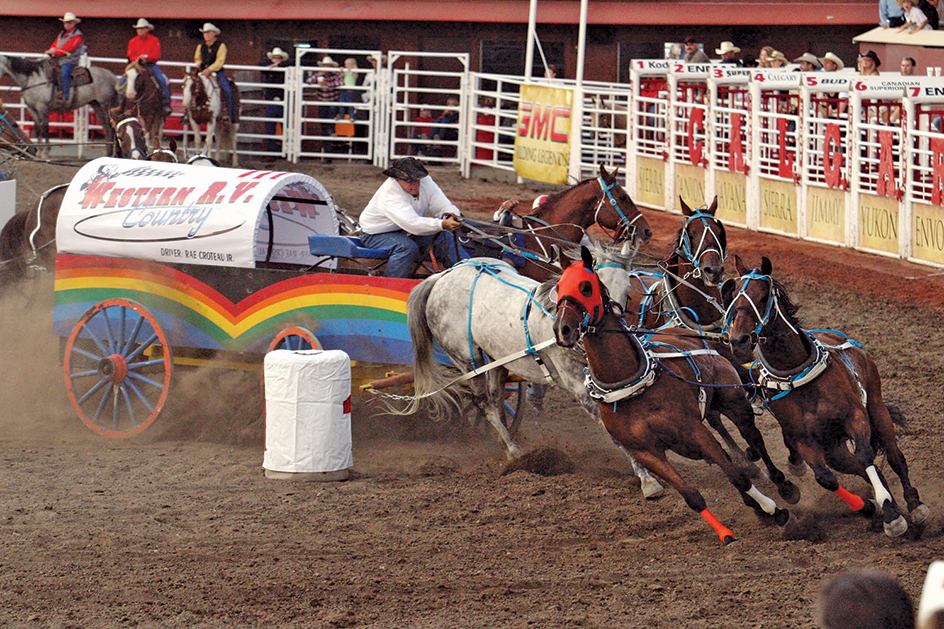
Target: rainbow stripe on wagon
{"points": [[198, 306]]}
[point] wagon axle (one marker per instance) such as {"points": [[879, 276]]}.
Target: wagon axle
{"points": [[113, 368]]}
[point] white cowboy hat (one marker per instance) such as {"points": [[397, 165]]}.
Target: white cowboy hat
{"points": [[69, 17], [328, 61], [726, 47], [210, 26], [831, 57], [810, 57], [142, 23], [277, 52]]}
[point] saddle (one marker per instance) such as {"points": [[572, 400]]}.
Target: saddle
{"points": [[80, 76]]}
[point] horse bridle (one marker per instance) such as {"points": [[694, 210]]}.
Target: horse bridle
{"points": [[704, 247], [773, 306], [626, 227]]}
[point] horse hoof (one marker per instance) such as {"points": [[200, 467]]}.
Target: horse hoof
{"points": [[729, 539], [652, 489], [868, 509], [797, 469], [789, 492], [897, 527], [514, 453], [920, 514], [782, 516]]}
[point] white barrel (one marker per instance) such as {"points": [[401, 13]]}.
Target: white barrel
{"points": [[932, 597], [7, 200], [308, 415]]}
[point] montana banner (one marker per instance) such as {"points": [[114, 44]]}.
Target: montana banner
{"points": [[542, 140]]}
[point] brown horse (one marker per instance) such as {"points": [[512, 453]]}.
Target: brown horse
{"points": [[562, 221], [653, 394], [28, 240], [824, 391], [144, 97], [130, 142]]}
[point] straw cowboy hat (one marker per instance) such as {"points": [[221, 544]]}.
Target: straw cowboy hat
{"points": [[142, 23], [831, 57], [778, 56], [811, 58], [277, 52], [69, 17], [210, 26], [727, 47], [406, 169], [328, 61]]}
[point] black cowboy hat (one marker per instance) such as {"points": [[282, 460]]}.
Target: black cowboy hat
{"points": [[874, 57], [407, 169]]}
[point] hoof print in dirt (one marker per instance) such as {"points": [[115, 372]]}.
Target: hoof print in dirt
{"points": [[544, 462], [440, 466], [804, 528]]}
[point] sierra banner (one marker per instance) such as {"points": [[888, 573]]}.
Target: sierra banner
{"points": [[542, 140]]}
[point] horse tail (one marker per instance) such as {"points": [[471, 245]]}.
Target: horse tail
{"points": [[429, 376]]}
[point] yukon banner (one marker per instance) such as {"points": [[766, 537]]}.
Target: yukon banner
{"points": [[542, 140], [188, 214]]}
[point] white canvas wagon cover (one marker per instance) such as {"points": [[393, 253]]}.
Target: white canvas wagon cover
{"points": [[187, 214]]}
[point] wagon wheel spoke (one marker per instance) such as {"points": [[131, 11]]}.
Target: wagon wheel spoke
{"points": [[122, 346]]}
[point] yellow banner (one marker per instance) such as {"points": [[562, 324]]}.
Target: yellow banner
{"points": [[778, 206], [650, 181], [927, 233], [731, 189], [878, 223], [542, 139], [690, 185], [826, 214]]}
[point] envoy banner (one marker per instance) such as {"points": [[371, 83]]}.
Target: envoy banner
{"points": [[542, 141]]}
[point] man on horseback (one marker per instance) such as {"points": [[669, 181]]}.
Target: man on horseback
{"points": [[66, 50], [409, 215], [210, 57], [145, 49]]}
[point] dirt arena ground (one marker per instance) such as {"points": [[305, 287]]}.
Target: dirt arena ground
{"points": [[179, 528]]}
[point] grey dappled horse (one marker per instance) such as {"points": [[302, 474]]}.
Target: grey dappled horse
{"points": [[504, 313], [37, 93]]}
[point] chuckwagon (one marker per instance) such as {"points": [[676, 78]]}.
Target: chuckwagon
{"points": [[165, 265]]}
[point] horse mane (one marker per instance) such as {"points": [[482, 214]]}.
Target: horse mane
{"points": [[611, 255], [786, 304], [24, 66], [542, 294]]}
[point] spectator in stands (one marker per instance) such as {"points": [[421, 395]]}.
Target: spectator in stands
{"points": [[808, 62], [67, 49], [748, 61], [908, 66], [915, 18], [551, 72], [831, 63], [210, 57], [328, 82], [869, 63], [929, 7], [890, 14], [763, 57], [422, 131], [729, 53], [276, 58], [409, 215], [864, 599], [694, 52], [449, 116], [145, 48], [778, 59], [349, 76], [370, 78]]}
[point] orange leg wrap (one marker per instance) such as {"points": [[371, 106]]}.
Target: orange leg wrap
{"points": [[855, 503], [722, 531]]}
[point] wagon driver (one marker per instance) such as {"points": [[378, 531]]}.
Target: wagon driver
{"points": [[409, 215], [210, 57], [145, 48]]}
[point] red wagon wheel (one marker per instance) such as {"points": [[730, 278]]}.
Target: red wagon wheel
{"points": [[117, 368], [294, 339]]}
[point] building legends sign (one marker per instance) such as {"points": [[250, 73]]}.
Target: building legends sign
{"points": [[185, 214]]}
